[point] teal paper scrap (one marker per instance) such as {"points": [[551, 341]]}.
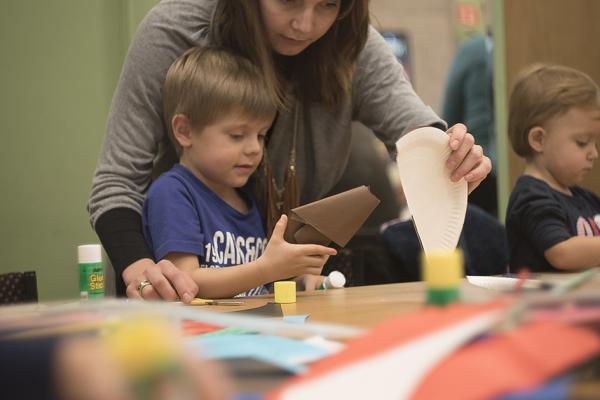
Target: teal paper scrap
{"points": [[296, 319], [288, 354]]}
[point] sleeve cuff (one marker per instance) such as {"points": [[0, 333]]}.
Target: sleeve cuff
{"points": [[120, 231]]}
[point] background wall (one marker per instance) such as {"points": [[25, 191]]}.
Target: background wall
{"points": [[429, 25], [555, 31], [60, 63]]}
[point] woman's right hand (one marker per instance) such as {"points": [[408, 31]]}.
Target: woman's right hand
{"points": [[165, 280], [282, 260]]}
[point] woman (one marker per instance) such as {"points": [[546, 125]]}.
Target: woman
{"points": [[322, 61]]}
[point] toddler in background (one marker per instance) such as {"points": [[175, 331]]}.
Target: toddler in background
{"points": [[554, 123]]}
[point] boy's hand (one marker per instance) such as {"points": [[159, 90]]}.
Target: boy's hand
{"points": [[282, 260], [309, 282], [467, 159]]}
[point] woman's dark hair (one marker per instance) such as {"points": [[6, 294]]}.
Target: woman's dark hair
{"points": [[321, 73]]}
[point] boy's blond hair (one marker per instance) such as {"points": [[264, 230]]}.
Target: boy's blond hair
{"points": [[543, 91], [207, 84]]}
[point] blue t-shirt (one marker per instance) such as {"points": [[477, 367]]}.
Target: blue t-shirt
{"points": [[182, 215]]}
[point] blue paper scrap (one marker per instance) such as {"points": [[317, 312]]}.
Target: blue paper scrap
{"points": [[288, 354], [297, 319]]}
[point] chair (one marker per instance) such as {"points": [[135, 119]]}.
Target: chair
{"points": [[483, 241], [18, 287]]}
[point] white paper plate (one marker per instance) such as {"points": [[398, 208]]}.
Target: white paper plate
{"points": [[437, 204], [503, 283]]}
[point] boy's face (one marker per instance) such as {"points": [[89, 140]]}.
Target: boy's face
{"points": [[224, 155], [571, 145]]}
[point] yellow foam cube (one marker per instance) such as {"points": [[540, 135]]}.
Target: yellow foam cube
{"points": [[285, 292], [442, 269]]}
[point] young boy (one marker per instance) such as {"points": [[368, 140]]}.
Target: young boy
{"points": [[199, 215], [554, 123]]}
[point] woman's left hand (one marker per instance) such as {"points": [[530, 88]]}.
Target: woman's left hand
{"points": [[467, 159]]}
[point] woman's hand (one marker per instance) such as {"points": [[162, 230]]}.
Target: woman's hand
{"points": [[162, 281], [467, 159], [282, 260]]}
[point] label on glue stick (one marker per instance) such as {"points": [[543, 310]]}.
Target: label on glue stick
{"points": [[91, 280]]}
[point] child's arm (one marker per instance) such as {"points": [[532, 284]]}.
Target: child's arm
{"points": [[281, 260], [214, 283], [575, 253]]}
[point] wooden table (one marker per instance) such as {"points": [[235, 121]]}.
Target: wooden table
{"points": [[360, 306], [365, 306]]}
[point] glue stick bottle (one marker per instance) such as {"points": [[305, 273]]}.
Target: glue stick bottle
{"points": [[335, 280], [442, 272], [91, 272]]}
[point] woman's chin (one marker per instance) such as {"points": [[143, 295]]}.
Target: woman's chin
{"points": [[290, 49], [289, 52]]}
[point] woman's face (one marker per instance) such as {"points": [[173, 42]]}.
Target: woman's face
{"points": [[293, 25]]}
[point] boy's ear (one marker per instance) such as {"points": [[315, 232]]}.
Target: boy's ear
{"points": [[536, 138], [182, 129]]}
